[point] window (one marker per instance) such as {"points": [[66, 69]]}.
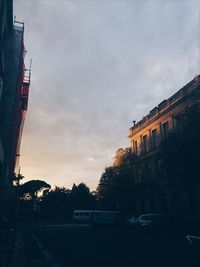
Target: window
{"points": [[148, 169], [165, 129], [154, 139], [136, 148], [176, 121], [141, 145], [157, 168], [144, 141]]}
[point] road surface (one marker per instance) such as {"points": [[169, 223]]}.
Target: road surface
{"points": [[75, 246]]}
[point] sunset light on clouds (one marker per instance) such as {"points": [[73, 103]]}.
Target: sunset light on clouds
{"points": [[97, 66]]}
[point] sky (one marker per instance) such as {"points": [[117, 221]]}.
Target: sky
{"points": [[97, 66]]}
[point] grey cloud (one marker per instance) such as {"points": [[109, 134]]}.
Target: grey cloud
{"points": [[98, 65]]}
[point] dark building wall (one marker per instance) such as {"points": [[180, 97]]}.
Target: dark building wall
{"points": [[6, 26], [13, 105], [6, 29], [11, 75], [11, 113]]}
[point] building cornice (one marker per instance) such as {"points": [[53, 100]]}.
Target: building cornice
{"points": [[166, 106]]}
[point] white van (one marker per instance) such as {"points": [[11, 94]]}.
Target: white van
{"points": [[99, 217], [84, 216]]}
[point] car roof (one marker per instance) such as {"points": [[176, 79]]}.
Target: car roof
{"points": [[151, 214]]}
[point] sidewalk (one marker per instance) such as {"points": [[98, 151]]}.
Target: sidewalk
{"points": [[16, 256], [19, 249], [4, 245], [34, 251], [11, 248]]}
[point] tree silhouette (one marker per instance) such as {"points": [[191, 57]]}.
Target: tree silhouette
{"points": [[56, 203], [117, 185], [31, 188], [82, 198], [59, 203]]}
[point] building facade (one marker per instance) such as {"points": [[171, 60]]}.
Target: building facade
{"points": [[14, 90], [146, 137], [6, 27]]}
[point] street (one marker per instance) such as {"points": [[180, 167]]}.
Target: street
{"points": [[75, 245]]}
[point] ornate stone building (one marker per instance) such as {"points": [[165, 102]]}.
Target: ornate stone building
{"points": [[145, 137]]}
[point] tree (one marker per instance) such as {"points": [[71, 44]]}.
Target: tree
{"points": [[124, 157], [56, 203], [117, 185], [31, 188], [60, 202], [82, 198]]}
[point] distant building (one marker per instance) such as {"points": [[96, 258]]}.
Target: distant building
{"points": [[145, 137], [14, 90]]}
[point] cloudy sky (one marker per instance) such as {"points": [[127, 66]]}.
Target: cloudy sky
{"points": [[97, 66]]}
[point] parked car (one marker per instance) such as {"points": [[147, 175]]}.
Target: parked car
{"points": [[193, 240], [131, 221], [152, 223]]}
